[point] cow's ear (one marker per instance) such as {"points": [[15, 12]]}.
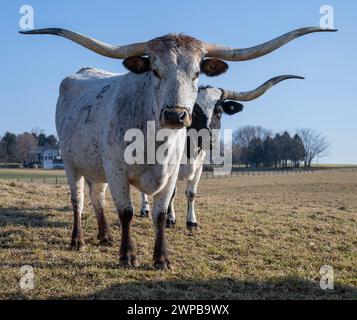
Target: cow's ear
{"points": [[232, 107], [137, 64], [213, 67]]}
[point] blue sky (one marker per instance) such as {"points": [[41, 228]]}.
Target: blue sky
{"points": [[33, 67]]}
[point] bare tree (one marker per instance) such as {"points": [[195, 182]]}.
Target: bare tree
{"points": [[24, 143], [315, 144], [243, 137], [236, 153]]}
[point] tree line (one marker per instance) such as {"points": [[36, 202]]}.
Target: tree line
{"points": [[16, 148], [254, 146]]}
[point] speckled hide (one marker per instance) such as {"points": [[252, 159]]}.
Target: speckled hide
{"points": [[94, 111]]}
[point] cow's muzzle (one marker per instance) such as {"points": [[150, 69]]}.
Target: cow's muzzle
{"points": [[175, 118]]}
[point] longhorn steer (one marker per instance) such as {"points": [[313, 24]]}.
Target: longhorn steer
{"points": [[210, 105], [96, 108]]}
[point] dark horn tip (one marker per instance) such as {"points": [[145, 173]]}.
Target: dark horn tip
{"points": [[291, 76], [26, 32]]}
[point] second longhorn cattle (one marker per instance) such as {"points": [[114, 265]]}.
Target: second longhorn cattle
{"points": [[95, 109], [210, 105]]}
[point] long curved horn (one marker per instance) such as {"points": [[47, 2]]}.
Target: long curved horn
{"points": [[256, 93], [229, 54], [104, 49]]}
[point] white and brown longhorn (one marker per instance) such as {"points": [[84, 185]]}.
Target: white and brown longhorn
{"points": [[95, 109]]}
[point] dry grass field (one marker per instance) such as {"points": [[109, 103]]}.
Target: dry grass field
{"points": [[27, 174], [261, 237]]}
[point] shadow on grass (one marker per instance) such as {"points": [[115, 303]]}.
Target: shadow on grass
{"points": [[224, 288], [33, 218]]}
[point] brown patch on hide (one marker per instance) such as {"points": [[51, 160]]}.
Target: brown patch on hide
{"points": [[104, 235], [191, 196], [161, 260], [104, 90], [137, 65], [213, 67], [176, 41], [127, 254], [77, 241]]}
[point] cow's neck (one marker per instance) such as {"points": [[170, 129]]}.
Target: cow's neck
{"points": [[142, 101], [142, 111]]}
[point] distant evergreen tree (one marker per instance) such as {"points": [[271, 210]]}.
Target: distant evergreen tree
{"points": [[51, 141], [286, 148], [271, 153], [256, 152], [8, 143], [298, 150], [42, 140]]}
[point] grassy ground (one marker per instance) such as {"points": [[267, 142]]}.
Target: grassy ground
{"points": [[15, 174], [39, 174], [262, 237]]}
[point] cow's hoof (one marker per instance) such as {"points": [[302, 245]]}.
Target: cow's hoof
{"points": [[77, 244], [129, 262], [163, 265], [145, 213], [170, 223], [192, 225], [106, 241]]}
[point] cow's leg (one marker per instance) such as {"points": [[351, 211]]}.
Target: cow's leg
{"points": [[76, 184], [97, 195], [159, 216], [120, 189], [171, 216], [191, 193], [145, 207]]}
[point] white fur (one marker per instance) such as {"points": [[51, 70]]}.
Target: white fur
{"points": [[95, 109], [191, 172]]}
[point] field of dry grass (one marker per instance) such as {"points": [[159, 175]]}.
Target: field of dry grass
{"points": [[261, 237], [27, 174]]}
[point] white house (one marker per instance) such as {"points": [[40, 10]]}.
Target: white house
{"points": [[51, 159], [47, 157]]}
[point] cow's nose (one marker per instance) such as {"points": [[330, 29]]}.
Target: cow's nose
{"points": [[174, 117]]}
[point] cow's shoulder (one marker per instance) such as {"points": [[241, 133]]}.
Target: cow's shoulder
{"points": [[86, 78], [89, 73]]}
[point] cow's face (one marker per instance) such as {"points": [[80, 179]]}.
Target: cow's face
{"points": [[210, 107], [174, 67]]}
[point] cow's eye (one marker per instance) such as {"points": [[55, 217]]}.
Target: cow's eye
{"points": [[197, 74], [156, 73]]}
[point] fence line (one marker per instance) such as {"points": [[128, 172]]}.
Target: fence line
{"points": [[44, 180], [257, 172], [205, 175]]}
